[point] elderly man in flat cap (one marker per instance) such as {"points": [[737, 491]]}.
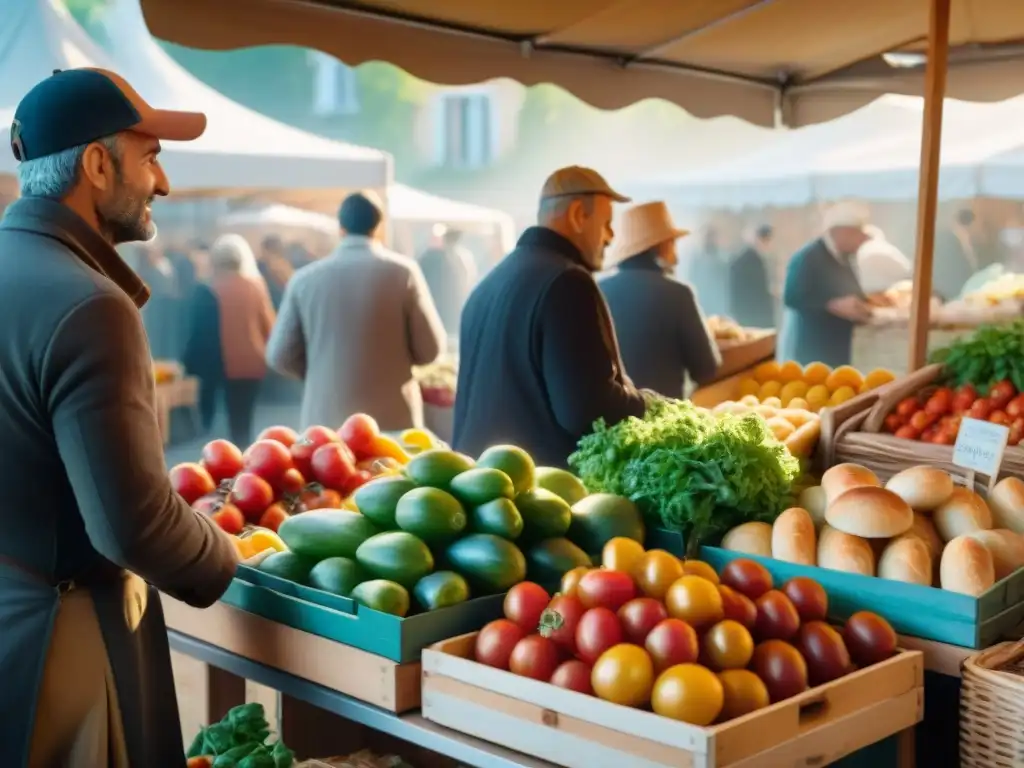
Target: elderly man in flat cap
{"points": [[539, 361], [822, 298]]}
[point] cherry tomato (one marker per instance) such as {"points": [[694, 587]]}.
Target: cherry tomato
{"points": [[929, 433], [286, 436], [624, 675], [908, 407], [639, 616], [942, 437], [573, 675], [940, 403], [980, 409], [229, 518], [1001, 394], [274, 515], [251, 494], [333, 465], [893, 422], [922, 420], [535, 656], [560, 620], [607, 589], [1000, 417], [908, 433], [599, 629], [269, 459], [524, 604], [302, 450], [191, 481], [291, 483], [315, 496], [358, 433], [571, 580], [672, 642], [964, 398], [1016, 431], [495, 642], [1015, 407], [222, 459]]}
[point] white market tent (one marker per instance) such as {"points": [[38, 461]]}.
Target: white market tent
{"points": [[241, 149], [873, 153]]}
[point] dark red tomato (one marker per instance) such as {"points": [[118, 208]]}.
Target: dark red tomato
{"points": [[908, 433], [333, 465], [273, 517], [358, 433], [286, 436], [229, 518], [893, 422], [317, 497], [940, 403], [1000, 417], [359, 477], [573, 675], [672, 642], [1016, 431], [251, 494], [524, 604], [191, 481], [1001, 394], [980, 409], [928, 434], [222, 459], [1015, 407], [908, 407], [639, 616], [606, 589], [964, 398], [535, 656], [269, 459], [599, 629], [292, 482], [922, 420], [495, 642], [560, 619], [302, 450]]}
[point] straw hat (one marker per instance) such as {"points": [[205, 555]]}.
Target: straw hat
{"points": [[642, 227]]}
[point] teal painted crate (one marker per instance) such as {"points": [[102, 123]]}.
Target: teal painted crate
{"points": [[914, 610], [344, 621]]}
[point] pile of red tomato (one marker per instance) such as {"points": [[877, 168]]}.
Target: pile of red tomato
{"points": [[648, 630], [284, 472], [935, 418]]}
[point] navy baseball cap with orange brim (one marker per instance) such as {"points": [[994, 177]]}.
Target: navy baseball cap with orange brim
{"points": [[73, 107]]}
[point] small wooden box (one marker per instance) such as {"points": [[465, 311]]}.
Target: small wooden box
{"points": [[742, 355], [342, 668], [570, 729]]}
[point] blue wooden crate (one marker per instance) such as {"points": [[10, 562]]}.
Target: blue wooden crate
{"points": [[344, 621], [914, 610]]}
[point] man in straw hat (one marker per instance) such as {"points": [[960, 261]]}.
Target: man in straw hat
{"points": [[657, 318], [822, 296], [87, 501], [539, 361]]}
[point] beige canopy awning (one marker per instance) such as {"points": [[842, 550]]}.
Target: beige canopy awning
{"points": [[804, 61]]}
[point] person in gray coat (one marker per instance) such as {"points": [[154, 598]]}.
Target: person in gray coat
{"points": [[658, 320], [353, 325], [89, 514]]}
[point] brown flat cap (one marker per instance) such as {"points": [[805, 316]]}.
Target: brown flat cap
{"points": [[576, 180]]}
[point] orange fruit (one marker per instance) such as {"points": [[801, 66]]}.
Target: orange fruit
{"points": [[816, 373], [656, 572], [696, 601], [689, 693], [624, 674], [744, 693], [622, 554]]}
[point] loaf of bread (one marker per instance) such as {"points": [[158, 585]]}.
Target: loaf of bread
{"points": [[906, 559], [750, 539], [923, 488], [963, 512], [870, 512], [1006, 548], [840, 551], [813, 500], [966, 567], [1007, 504], [794, 539], [842, 477], [924, 529]]}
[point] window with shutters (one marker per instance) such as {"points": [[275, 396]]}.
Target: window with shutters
{"points": [[335, 86], [465, 130]]}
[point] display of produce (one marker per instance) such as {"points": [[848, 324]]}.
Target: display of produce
{"points": [[689, 470], [810, 388], [165, 371], [438, 381], [646, 629], [797, 428], [920, 528], [725, 329], [240, 740]]}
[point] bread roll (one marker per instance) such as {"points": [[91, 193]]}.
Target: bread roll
{"points": [[842, 477], [794, 539], [813, 500], [870, 512], [923, 488], [840, 551], [906, 559], [966, 567], [963, 512], [1006, 548], [750, 539], [1007, 504], [924, 529]]}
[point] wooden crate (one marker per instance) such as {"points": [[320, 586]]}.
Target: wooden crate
{"points": [[342, 668], [570, 729], [742, 355]]}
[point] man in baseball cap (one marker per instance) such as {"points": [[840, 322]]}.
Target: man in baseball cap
{"points": [[538, 358], [89, 513]]}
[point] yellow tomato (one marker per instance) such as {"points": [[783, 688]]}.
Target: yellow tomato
{"points": [[623, 675], [263, 538], [571, 580], [744, 693], [816, 373], [769, 389], [817, 397], [696, 601], [766, 372], [417, 438], [700, 568], [844, 376], [622, 554], [841, 395], [689, 693], [878, 378], [792, 389], [656, 572]]}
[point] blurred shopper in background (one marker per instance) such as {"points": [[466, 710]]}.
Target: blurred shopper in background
{"points": [[658, 320], [751, 303], [955, 257], [707, 271], [880, 264], [450, 271]]}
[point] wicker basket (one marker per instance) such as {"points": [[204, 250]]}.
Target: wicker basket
{"points": [[992, 708], [853, 432]]}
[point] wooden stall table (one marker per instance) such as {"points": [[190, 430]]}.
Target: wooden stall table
{"points": [[179, 393]]}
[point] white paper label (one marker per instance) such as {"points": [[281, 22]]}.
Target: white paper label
{"points": [[980, 446]]}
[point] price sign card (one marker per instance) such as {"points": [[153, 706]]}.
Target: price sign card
{"points": [[980, 446]]}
